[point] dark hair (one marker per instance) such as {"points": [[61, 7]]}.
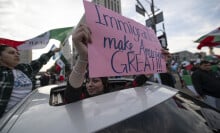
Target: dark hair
{"points": [[104, 81], [2, 48], [204, 62]]}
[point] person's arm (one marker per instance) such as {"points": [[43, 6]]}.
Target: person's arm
{"points": [[77, 74], [196, 83], [36, 65], [81, 38]]}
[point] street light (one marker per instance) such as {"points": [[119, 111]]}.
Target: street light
{"points": [[163, 39], [153, 20]]}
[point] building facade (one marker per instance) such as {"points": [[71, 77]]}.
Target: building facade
{"points": [[114, 5], [187, 56]]}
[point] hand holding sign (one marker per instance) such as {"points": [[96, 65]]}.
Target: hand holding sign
{"points": [[81, 37], [120, 45], [166, 54]]}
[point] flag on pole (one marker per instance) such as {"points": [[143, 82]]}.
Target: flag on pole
{"points": [[212, 39], [60, 64], [57, 54], [40, 41], [62, 75], [63, 59]]}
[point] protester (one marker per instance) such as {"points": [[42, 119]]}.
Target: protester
{"points": [[45, 79], [165, 78], [53, 78], [81, 37], [94, 86], [16, 80], [207, 83]]}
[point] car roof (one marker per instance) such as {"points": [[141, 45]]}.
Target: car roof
{"points": [[34, 114]]}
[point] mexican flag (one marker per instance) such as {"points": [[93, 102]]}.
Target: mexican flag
{"points": [[40, 41], [62, 75], [60, 67], [60, 63], [211, 39]]}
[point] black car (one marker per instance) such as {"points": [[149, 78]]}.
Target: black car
{"points": [[151, 108]]}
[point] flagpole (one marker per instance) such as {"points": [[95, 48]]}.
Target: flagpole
{"points": [[211, 52]]}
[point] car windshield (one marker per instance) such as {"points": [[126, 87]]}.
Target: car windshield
{"points": [[172, 116]]}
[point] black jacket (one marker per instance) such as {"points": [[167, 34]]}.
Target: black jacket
{"points": [[206, 83], [168, 79]]}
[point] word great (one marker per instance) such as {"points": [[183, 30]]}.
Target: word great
{"points": [[143, 60]]}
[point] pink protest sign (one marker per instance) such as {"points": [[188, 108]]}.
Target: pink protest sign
{"points": [[120, 46]]}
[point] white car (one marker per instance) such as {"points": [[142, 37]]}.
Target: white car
{"points": [[151, 108]]}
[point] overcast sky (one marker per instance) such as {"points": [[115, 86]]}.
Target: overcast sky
{"points": [[184, 21]]}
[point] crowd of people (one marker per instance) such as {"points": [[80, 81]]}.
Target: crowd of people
{"points": [[202, 78]]}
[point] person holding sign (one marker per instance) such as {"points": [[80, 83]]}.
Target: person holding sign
{"points": [[121, 46], [17, 80], [94, 86]]}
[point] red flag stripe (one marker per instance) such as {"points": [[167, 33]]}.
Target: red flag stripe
{"points": [[208, 39], [11, 43], [206, 44]]}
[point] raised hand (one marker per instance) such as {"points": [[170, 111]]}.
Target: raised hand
{"points": [[81, 38]]}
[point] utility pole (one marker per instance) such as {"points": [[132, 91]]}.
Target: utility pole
{"points": [[153, 20], [153, 17], [165, 37]]}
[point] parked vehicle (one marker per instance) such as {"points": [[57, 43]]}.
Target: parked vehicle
{"points": [[151, 108]]}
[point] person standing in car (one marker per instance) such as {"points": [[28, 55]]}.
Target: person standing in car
{"points": [[16, 80], [94, 86]]}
